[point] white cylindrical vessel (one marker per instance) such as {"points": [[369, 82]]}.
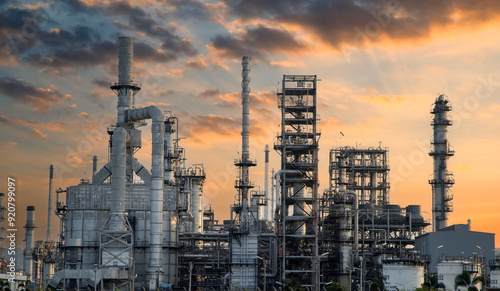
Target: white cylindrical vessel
{"points": [[403, 276]]}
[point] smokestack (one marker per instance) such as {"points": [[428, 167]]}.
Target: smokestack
{"points": [[125, 87], [51, 176], [94, 166], [28, 251], [266, 184], [442, 180], [244, 182]]}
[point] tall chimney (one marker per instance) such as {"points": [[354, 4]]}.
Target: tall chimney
{"points": [[268, 207], [125, 88], [442, 180], [28, 251], [94, 166], [243, 184], [49, 217]]}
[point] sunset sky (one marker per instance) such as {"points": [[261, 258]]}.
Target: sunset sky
{"points": [[381, 64]]}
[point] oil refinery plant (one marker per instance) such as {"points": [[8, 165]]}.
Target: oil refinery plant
{"points": [[139, 227]]}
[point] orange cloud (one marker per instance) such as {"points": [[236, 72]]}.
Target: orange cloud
{"points": [[39, 134]]}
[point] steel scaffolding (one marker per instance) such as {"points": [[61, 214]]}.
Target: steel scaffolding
{"points": [[364, 171], [298, 146]]}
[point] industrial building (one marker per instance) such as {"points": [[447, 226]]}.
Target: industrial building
{"points": [[133, 227]]}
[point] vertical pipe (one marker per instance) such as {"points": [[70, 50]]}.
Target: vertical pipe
{"points": [[118, 179], [94, 166], [273, 201], [268, 207], [28, 251], [169, 151], [51, 176]]}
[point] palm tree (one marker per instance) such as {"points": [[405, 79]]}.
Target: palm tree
{"points": [[464, 279], [431, 283], [4, 285]]}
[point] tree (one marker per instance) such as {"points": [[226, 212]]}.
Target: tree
{"points": [[335, 286], [464, 280], [431, 283], [4, 285], [378, 284], [292, 286]]}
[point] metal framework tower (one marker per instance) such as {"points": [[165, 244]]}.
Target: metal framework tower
{"points": [[298, 146], [364, 171], [443, 179]]}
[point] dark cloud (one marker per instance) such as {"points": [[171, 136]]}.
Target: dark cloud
{"points": [[141, 21], [189, 8], [76, 55], [344, 22], [256, 40], [100, 83], [23, 92], [19, 29], [95, 54], [62, 37], [143, 51], [210, 93]]}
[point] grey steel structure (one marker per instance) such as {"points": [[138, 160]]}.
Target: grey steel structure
{"points": [[364, 171], [146, 229], [298, 178], [360, 228], [443, 179]]}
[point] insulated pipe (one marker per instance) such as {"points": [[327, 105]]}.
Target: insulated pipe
{"points": [[102, 175], [28, 251], [266, 184], [118, 179], [51, 176], [154, 270]]}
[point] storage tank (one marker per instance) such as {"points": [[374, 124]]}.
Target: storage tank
{"points": [[495, 279], [449, 269], [402, 275]]}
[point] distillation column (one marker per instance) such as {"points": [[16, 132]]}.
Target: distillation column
{"points": [[243, 184], [243, 238], [443, 179]]}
